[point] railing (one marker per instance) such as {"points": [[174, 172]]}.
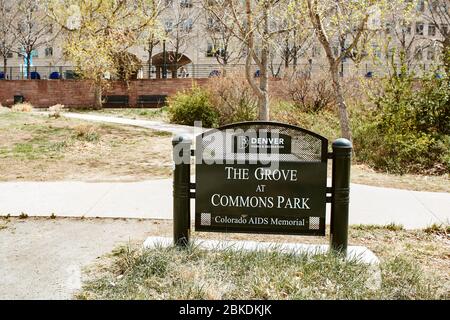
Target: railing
{"points": [[195, 71]]}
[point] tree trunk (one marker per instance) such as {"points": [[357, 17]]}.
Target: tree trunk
{"points": [[446, 56], [5, 66], [264, 76], [28, 66], [150, 53], [98, 96], [340, 100], [263, 100]]}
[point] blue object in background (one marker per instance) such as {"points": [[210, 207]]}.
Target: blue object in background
{"points": [[2, 76], [35, 75], [214, 73], [54, 75]]}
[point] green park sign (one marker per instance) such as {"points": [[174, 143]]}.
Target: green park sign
{"points": [[261, 177]]}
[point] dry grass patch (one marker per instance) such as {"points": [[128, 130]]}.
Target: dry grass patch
{"points": [[362, 174], [414, 265], [22, 107], [39, 148], [155, 114]]}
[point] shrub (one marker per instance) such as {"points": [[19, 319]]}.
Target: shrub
{"points": [[310, 94], [22, 107], [233, 99], [192, 105], [87, 132], [55, 111], [407, 131], [324, 122]]}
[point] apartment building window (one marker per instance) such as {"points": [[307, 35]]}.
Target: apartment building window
{"points": [[315, 52], [186, 3], [212, 24], [407, 29], [188, 24], [49, 52], [388, 28], [419, 28], [444, 29], [421, 5], [210, 49], [336, 51], [9, 55], [35, 54], [390, 53], [168, 26], [419, 54], [431, 30], [431, 54]]}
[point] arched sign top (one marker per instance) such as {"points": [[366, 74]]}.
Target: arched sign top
{"points": [[262, 139], [268, 123]]}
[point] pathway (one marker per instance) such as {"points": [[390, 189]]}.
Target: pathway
{"points": [[150, 124], [153, 200]]}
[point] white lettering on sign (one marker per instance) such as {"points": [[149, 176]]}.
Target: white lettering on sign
{"points": [[276, 174], [280, 202], [260, 174], [266, 141], [298, 222]]}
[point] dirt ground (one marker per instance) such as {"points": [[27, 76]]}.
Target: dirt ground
{"points": [[39, 148], [44, 258]]}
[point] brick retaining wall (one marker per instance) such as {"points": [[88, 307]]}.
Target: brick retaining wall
{"points": [[80, 93]]}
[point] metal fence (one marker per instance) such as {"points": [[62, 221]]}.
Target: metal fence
{"points": [[195, 71]]}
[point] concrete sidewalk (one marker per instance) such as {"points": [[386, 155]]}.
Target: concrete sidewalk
{"points": [[149, 124], [153, 199]]}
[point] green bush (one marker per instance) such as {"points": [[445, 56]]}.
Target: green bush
{"points": [[192, 105], [408, 131]]}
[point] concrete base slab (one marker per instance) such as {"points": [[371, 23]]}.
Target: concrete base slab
{"points": [[359, 253]]}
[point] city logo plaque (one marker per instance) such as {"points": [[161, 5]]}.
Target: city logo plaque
{"points": [[261, 177]]}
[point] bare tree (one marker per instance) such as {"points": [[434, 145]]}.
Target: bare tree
{"points": [[400, 38], [289, 47], [32, 29], [151, 34], [98, 35], [340, 26], [255, 25], [223, 44], [438, 15], [179, 30], [8, 14]]}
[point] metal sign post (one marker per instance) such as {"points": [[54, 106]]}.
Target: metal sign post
{"points": [[181, 190]]}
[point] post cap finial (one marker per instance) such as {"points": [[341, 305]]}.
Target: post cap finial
{"points": [[182, 138], [342, 143]]}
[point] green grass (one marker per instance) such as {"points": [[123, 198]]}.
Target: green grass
{"points": [[170, 273], [439, 229], [370, 227], [23, 215]]}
